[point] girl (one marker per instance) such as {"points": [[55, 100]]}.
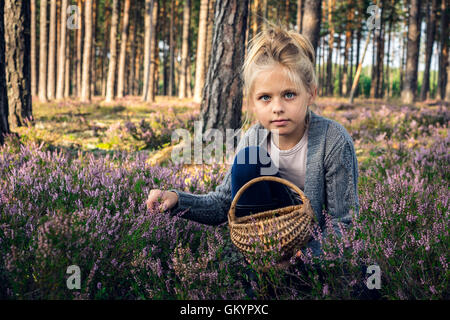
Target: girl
{"points": [[289, 141]]}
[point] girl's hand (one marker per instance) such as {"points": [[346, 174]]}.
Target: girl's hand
{"points": [[167, 199]]}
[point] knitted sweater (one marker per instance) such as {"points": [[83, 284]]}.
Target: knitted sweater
{"points": [[331, 180]]}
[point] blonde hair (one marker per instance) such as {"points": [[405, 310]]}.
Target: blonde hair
{"points": [[287, 48]]}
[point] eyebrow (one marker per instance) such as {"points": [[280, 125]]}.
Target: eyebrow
{"points": [[284, 91]]}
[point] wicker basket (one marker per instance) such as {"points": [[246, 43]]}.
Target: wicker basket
{"points": [[288, 227]]}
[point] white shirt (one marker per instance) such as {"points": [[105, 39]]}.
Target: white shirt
{"points": [[292, 162]]}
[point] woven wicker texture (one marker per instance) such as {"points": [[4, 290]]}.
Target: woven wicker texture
{"points": [[286, 229]]}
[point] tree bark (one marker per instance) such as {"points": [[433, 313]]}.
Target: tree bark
{"points": [[431, 30], [348, 36], [380, 57], [410, 82], [62, 52], [33, 49], [222, 97], [311, 21], [67, 68], [86, 80], [447, 89], [79, 48], [331, 5], [4, 125], [201, 51], [184, 49], [358, 71], [133, 39], [43, 52], [123, 49], [153, 54], [18, 62], [113, 53], [147, 48], [106, 37], [299, 15], [93, 69], [171, 49], [51, 89], [443, 56], [210, 30]]}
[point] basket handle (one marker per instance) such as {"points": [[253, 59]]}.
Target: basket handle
{"points": [[231, 213]]}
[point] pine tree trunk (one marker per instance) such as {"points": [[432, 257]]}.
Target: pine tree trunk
{"points": [[311, 21], [62, 52], [329, 86], [380, 64], [165, 52], [443, 56], [403, 57], [18, 63], [209, 33], [106, 38], [113, 53], [431, 29], [410, 82], [323, 66], [43, 51], [4, 125], [387, 82], [171, 48], [348, 43], [51, 89], [256, 17], [184, 49], [86, 80], [33, 49], [79, 47], [358, 70], [133, 39], [147, 46], [93, 69], [67, 68], [264, 13], [358, 48], [374, 72], [286, 12], [447, 88], [153, 54], [201, 51], [299, 15], [222, 98], [188, 80], [352, 53], [123, 50]]}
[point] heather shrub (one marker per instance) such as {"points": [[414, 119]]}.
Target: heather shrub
{"points": [[59, 209]]}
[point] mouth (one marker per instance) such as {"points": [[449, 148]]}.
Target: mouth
{"points": [[280, 121]]}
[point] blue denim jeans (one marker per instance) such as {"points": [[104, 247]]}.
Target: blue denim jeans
{"points": [[252, 162]]}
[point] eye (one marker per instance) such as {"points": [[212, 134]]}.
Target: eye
{"points": [[263, 98], [290, 95]]}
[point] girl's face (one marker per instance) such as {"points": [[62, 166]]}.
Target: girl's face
{"points": [[279, 105]]}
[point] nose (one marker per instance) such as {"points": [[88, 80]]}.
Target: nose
{"points": [[277, 106]]}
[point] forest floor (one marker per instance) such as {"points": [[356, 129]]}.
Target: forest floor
{"points": [[102, 128]]}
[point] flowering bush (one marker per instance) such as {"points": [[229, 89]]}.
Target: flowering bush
{"points": [[58, 209]]}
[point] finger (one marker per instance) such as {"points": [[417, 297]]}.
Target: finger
{"points": [[164, 206], [153, 198]]}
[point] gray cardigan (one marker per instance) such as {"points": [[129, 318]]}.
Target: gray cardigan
{"points": [[331, 180]]}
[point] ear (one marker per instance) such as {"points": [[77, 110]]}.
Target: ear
{"points": [[313, 95]]}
